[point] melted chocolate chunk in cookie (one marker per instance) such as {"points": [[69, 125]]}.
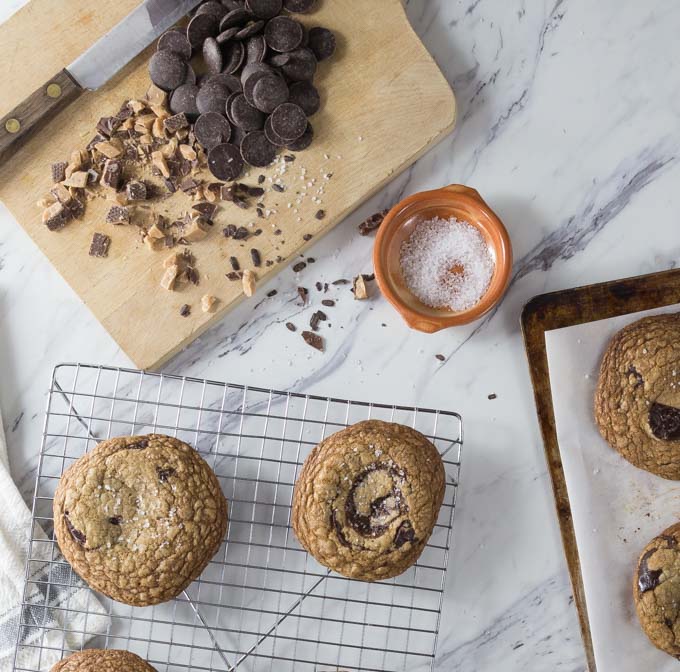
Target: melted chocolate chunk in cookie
{"points": [[76, 534], [375, 499], [405, 534], [648, 579], [164, 474], [664, 421]]}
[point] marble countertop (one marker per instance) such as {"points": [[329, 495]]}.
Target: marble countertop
{"points": [[568, 128]]}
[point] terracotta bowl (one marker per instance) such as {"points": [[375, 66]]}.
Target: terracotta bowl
{"points": [[457, 201]]}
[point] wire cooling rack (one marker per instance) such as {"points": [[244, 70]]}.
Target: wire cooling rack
{"points": [[262, 603]]}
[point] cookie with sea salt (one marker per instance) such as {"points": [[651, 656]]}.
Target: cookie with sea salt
{"points": [[656, 590], [368, 498], [637, 400], [102, 660], [139, 517]]}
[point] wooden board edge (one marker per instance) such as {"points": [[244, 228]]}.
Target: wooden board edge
{"points": [[570, 307]]}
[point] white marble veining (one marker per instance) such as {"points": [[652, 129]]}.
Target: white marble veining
{"points": [[568, 127]]}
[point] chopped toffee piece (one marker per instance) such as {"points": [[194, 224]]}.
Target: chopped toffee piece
{"points": [[118, 214], [206, 209], [78, 179], [113, 174], [136, 190], [59, 171], [359, 288], [175, 122], [55, 217], [248, 279], [170, 277], [99, 247], [313, 339], [208, 303]]}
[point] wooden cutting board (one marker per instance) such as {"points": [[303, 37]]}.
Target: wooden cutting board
{"points": [[385, 103]]}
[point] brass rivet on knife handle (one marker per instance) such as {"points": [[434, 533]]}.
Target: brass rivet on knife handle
{"points": [[53, 90], [36, 111]]}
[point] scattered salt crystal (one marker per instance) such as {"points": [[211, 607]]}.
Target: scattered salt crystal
{"points": [[447, 263]]}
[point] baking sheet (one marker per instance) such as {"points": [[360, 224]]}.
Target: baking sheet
{"points": [[616, 507]]}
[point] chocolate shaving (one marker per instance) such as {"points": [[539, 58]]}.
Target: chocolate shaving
{"points": [[185, 310], [301, 265], [314, 340], [256, 258], [372, 223], [328, 302], [320, 214], [234, 264], [290, 326]]}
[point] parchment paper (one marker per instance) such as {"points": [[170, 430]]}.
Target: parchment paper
{"points": [[616, 507]]}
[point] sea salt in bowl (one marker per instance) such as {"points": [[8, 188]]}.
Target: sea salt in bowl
{"points": [[394, 238]]}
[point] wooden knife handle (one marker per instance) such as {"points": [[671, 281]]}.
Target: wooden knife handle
{"points": [[38, 109]]}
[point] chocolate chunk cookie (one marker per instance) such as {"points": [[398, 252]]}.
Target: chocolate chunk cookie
{"points": [[656, 590], [139, 517], [102, 660], [637, 402], [368, 498]]}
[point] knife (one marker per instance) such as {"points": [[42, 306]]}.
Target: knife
{"points": [[91, 70]]}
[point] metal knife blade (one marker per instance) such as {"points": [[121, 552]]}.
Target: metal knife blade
{"points": [[124, 41]]}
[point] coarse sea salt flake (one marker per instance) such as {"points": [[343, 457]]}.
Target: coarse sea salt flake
{"points": [[447, 263]]}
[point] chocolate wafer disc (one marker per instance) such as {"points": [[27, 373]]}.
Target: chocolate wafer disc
{"points": [[175, 40], [200, 28], [251, 29], [272, 136], [191, 75], [227, 35], [300, 65], [269, 92], [167, 69], [246, 116], [283, 34], [212, 129], [249, 85], [264, 9], [225, 161], [289, 121], [217, 9], [322, 43], [212, 97], [212, 55], [256, 149], [232, 82], [236, 17], [230, 101], [299, 6], [231, 5], [234, 55], [256, 49], [306, 96], [183, 99], [252, 68], [304, 141]]}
